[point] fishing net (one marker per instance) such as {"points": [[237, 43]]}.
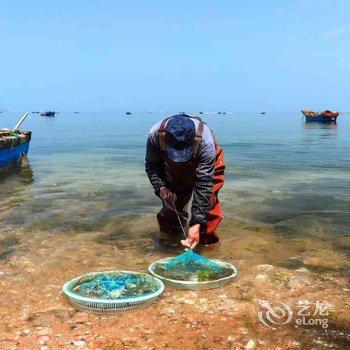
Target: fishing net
{"points": [[116, 286], [10, 138], [190, 269], [112, 290]]}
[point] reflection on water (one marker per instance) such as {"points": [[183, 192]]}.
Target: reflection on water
{"points": [[321, 130], [329, 126]]}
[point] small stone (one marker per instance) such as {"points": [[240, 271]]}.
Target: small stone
{"points": [[261, 278], [171, 310], [43, 331], [250, 345], [243, 330], [81, 318], [265, 267], [302, 269], [299, 282], [79, 344], [185, 301], [129, 342], [43, 339], [217, 339]]}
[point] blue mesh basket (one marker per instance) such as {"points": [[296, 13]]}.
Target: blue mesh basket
{"points": [[190, 270], [112, 291]]}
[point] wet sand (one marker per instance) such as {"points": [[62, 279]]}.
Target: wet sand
{"points": [[271, 266]]}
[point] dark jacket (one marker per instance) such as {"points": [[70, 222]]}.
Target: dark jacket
{"points": [[204, 173]]}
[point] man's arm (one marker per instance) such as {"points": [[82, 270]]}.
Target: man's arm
{"points": [[201, 192], [154, 164], [203, 184]]}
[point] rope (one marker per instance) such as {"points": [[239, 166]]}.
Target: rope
{"points": [[178, 218], [173, 208]]}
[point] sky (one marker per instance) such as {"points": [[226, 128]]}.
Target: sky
{"points": [[180, 55]]}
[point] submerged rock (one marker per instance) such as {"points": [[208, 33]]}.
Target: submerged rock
{"points": [[297, 282], [323, 260], [293, 262]]}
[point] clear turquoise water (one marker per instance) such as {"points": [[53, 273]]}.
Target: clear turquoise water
{"points": [[87, 172]]}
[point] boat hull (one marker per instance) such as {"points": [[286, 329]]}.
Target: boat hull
{"points": [[12, 156], [320, 119], [47, 113], [326, 117]]}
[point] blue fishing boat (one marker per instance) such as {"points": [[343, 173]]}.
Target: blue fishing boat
{"points": [[320, 117], [14, 146]]}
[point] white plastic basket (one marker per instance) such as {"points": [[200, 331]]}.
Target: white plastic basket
{"points": [[192, 284], [110, 305]]}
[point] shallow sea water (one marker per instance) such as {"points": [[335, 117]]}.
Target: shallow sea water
{"points": [[87, 172]]}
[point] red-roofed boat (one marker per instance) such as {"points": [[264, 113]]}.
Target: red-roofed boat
{"points": [[320, 117]]}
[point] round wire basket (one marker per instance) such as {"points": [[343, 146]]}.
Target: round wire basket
{"points": [[109, 305], [195, 284]]}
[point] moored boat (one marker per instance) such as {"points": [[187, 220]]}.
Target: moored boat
{"points": [[14, 146], [320, 117], [48, 113]]}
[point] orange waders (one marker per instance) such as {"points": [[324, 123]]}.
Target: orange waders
{"points": [[181, 178]]}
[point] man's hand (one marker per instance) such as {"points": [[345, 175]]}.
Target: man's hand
{"points": [[193, 237], [167, 196]]}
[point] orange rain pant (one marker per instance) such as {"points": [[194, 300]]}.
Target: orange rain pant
{"points": [[167, 219]]}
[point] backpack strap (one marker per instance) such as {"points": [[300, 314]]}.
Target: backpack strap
{"points": [[161, 134], [198, 138]]}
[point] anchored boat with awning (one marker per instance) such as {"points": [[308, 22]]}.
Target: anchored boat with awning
{"points": [[320, 117]]}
